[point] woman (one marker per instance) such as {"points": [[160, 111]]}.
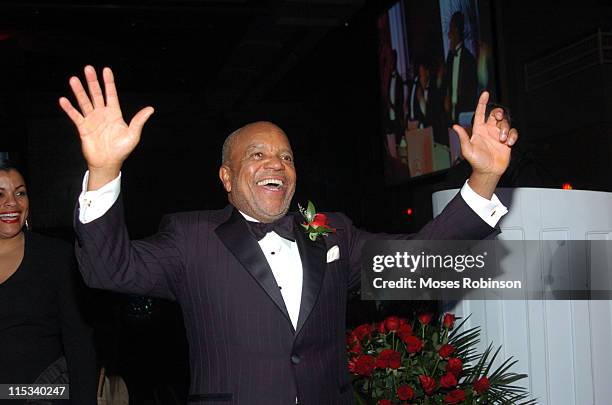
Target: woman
{"points": [[42, 335]]}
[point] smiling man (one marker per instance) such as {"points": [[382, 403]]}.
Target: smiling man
{"points": [[257, 171], [264, 306]]}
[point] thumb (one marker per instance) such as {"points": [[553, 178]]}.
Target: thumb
{"points": [[140, 119], [464, 139]]}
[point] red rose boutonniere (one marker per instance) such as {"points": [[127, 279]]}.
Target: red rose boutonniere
{"points": [[316, 223]]}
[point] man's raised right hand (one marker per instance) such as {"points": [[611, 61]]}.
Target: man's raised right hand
{"points": [[106, 140]]}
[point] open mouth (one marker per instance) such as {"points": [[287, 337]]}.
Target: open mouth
{"points": [[271, 184], [10, 218]]}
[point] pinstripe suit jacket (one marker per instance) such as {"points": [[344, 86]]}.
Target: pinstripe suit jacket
{"points": [[243, 348]]}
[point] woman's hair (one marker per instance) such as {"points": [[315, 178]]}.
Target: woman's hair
{"points": [[6, 165]]}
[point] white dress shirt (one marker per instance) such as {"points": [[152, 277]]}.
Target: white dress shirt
{"points": [[284, 259]]}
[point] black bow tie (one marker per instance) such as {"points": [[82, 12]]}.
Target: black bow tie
{"points": [[283, 227]]}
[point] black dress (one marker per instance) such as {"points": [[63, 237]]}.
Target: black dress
{"points": [[40, 320]]}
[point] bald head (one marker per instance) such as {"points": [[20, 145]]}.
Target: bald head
{"points": [[257, 170], [226, 151], [256, 126]]}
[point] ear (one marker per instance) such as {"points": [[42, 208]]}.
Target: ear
{"points": [[225, 174]]}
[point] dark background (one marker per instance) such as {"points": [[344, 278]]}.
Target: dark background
{"points": [[208, 67]]}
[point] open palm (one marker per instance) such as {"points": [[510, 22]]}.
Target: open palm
{"points": [[106, 139]]}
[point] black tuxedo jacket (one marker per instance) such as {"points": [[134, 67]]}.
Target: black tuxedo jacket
{"points": [[243, 348]]}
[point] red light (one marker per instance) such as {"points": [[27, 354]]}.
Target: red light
{"points": [[567, 186], [409, 211]]}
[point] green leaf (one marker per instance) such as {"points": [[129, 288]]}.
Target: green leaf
{"points": [[310, 211]]}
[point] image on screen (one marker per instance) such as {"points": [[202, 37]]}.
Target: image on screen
{"points": [[435, 59]]}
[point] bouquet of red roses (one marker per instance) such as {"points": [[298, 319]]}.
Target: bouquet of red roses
{"points": [[428, 362]]}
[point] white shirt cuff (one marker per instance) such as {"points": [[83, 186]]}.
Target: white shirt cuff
{"points": [[94, 204], [490, 211]]}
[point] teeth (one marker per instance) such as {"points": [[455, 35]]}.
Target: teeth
{"points": [[9, 215], [275, 182]]}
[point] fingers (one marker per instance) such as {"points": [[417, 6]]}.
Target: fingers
{"points": [[498, 118], [94, 86], [112, 100], [72, 113], [140, 119], [504, 130], [464, 139], [496, 115], [512, 137], [481, 108], [81, 96]]}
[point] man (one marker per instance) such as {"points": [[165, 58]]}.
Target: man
{"points": [[264, 318], [460, 74], [426, 103]]}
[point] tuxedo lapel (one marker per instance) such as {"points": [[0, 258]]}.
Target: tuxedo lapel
{"points": [[235, 235], [313, 256]]}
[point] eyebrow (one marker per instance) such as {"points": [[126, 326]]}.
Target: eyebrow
{"points": [[19, 186], [261, 145], [255, 146]]}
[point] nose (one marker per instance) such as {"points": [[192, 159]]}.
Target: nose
{"points": [[274, 162], [9, 201]]}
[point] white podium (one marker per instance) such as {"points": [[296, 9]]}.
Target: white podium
{"points": [[564, 346]]}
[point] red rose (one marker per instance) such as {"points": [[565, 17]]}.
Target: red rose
{"points": [[449, 321], [392, 323], [404, 331], [319, 220], [448, 380], [351, 364], [362, 331], [389, 358], [413, 344], [454, 397], [381, 328], [395, 360], [481, 385], [454, 366], [446, 350], [384, 402], [428, 384], [425, 318], [362, 365], [404, 392], [351, 340]]}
